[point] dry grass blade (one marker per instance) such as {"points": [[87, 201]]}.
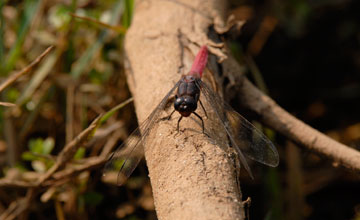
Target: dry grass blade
{"points": [[27, 69], [83, 62], [88, 164], [18, 206], [15, 183], [7, 104], [119, 29], [38, 77], [108, 114]]}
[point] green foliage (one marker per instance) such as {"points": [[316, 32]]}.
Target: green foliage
{"points": [[80, 153], [59, 16], [30, 10], [128, 13], [90, 54], [41, 146], [12, 94], [83, 62], [39, 153]]}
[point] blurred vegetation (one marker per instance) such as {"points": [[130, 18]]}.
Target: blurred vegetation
{"points": [[305, 54]]}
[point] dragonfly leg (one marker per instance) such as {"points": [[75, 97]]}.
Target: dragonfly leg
{"points": [[202, 108], [202, 122], [178, 127], [168, 118]]}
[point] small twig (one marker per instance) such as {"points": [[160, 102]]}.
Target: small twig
{"points": [[11, 141], [15, 183], [7, 104], [111, 143], [69, 150], [59, 210], [70, 103], [89, 164], [247, 203], [27, 69], [112, 111]]}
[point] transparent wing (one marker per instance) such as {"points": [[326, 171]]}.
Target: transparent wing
{"points": [[245, 137], [128, 155]]}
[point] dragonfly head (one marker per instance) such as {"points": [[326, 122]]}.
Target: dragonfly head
{"points": [[185, 105]]}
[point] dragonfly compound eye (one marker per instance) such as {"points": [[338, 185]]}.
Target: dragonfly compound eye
{"points": [[185, 105]]}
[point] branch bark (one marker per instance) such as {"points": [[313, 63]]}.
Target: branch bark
{"points": [[191, 178]]}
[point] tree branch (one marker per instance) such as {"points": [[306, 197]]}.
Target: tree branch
{"points": [[294, 129], [191, 177]]}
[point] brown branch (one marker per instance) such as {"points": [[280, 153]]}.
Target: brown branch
{"points": [[198, 175], [27, 69]]}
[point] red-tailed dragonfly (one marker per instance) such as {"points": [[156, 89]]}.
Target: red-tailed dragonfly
{"points": [[241, 134]]}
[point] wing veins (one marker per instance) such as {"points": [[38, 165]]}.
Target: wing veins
{"points": [[133, 142], [219, 106]]}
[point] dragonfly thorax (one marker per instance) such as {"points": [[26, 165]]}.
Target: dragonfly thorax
{"points": [[187, 96]]}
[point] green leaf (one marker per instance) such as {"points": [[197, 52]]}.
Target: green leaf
{"points": [[28, 156], [128, 13], [48, 145], [59, 16], [12, 94], [40, 146], [80, 153], [35, 145]]}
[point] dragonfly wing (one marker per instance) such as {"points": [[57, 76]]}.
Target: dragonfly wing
{"points": [[244, 136], [128, 155], [251, 141]]}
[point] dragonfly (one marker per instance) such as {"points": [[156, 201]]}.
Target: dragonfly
{"points": [[243, 136]]}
